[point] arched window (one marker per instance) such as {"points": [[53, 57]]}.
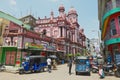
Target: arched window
{"points": [[55, 33], [44, 31], [113, 27]]}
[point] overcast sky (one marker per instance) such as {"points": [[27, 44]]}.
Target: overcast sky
{"points": [[87, 11]]}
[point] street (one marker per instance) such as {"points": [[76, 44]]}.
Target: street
{"points": [[60, 74]]}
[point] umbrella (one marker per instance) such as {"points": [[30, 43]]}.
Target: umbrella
{"points": [[53, 56]]}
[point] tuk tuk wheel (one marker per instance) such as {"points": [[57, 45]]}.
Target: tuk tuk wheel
{"points": [[89, 73], [117, 73], [42, 69], [94, 71], [21, 71], [32, 71], [76, 73]]}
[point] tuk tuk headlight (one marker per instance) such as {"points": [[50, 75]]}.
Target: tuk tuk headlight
{"points": [[87, 69]]}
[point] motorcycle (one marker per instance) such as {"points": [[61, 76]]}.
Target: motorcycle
{"points": [[95, 67], [117, 70], [108, 69], [117, 65]]}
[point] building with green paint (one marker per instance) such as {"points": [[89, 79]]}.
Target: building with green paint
{"points": [[13, 36], [109, 19], [19, 40]]}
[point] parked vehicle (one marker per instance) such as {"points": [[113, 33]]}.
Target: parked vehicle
{"points": [[117, 65], [95, 67], [82, 65], [33, 64], [117, 70], [108, 69]]}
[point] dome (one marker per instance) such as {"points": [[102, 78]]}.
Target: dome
{"points": [[72, 11], [61, 8]]}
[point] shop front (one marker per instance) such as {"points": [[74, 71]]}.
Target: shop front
{"points": [[51, 50], [112, 49], [9, 56], [32, 49], [61, 53]]}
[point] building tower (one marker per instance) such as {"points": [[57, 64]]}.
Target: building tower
{"points": [[72, 15], [74, 31], [72, 18], [51, 15], [61, 11]]}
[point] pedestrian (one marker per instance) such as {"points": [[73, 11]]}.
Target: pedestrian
{"points": [[49, 64], [70, 65], [109, 59], [54, 64], [101, 72]]}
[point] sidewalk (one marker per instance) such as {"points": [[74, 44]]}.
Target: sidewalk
{"points": [[11, 69]]}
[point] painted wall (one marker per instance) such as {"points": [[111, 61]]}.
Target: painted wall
{"points": [[3, 24]]}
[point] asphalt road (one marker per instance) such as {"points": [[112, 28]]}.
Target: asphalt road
{"points": [[60, 74]]}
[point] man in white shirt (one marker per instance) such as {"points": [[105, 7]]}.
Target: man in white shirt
{"points": [[49, 64]]}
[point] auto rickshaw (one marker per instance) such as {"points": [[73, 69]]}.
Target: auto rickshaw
{"points": [[82, 65], [33, 64]]}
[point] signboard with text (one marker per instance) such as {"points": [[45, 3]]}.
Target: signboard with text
{"points": [[33, 46]]}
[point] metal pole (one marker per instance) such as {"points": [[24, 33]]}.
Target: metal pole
{"points": [[99, 40]]}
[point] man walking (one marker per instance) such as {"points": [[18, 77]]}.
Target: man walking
{"points": [[70, 65], [49, 64]]}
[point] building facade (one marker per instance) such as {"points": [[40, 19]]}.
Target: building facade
{"points": [[64, 27], [30, 36], [109, 19], [17, 40]]}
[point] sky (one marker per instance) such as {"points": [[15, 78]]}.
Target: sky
{"points": [[87, 11]]}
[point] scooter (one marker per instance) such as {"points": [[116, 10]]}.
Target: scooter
{"points": [[108, 69], [117, 70], [95, 67]]}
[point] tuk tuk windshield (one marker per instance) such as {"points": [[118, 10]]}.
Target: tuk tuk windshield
{"points": [[80, 61]]}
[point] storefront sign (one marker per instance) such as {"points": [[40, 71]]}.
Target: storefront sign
{"points": [[26, 42], [33, 45], [50, 48]]}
